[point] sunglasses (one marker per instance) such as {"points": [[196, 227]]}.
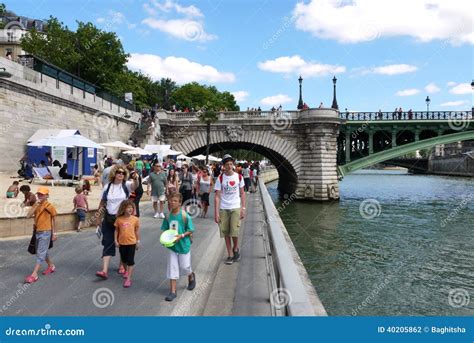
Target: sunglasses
{"points": [[120, 172]]}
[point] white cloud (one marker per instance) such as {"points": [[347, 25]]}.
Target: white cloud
{"points": [[364, 20], [298, 66], [190, 27], [187, 29], [276, 100], [240, 95], [100, 20], [461, 88], [408, 92], [432, 88], [391, 69], [450, 83], [179, 69], [454, 103], [190, 11]]}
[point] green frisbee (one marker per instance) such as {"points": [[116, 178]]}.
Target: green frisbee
{"points": [[168, 238]]}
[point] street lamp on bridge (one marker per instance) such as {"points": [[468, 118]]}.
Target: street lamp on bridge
{"points": [[300, 101], [427, 103], [334, 101]]}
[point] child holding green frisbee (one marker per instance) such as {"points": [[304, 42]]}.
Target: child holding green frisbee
{"points": [[179, 256]]}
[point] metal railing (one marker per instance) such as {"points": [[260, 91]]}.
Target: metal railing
{"points": [[45, 68], [391, 116], [237, 115]]}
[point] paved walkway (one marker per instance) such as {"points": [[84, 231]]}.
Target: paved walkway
{"points": [[239, 289]]}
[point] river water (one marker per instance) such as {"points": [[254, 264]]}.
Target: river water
{"points": [[395, 244]]}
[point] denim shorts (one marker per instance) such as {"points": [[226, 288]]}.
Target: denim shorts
{"points": [[42, 245], [81, 214]]}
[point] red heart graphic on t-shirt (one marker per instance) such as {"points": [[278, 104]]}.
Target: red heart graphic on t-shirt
{"points": [[232, 183]]}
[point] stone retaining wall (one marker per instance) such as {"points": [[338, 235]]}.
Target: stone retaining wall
{"points": [[30, 101]]}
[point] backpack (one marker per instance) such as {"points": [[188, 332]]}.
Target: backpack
{"points": [[221, 177], [185, 221], [125, 189]]}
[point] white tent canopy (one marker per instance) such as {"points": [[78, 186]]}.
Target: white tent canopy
{"points": [[214, 159], [137, 151], [199, 157], [117, 144], [183, 157], [162, 150], [69, 141], [47, 133]]}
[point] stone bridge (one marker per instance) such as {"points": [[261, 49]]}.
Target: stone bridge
{"points": [[301, 144], [313, 148]]}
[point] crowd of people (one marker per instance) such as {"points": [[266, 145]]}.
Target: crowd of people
{"points": [[183, 186]]}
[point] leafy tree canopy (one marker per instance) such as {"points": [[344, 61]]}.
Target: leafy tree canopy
{"points": [[98, 57]]}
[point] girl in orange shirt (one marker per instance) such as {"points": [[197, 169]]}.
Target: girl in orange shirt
{"points": [[127, 238]]}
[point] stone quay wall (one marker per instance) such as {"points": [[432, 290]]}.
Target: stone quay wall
{"points": [[30, 101], [462, 165]]}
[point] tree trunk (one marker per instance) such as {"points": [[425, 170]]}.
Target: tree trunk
{"points": [[208, 138]]}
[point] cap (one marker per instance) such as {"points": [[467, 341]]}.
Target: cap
{"points": [[227, 158], [43, 190]]}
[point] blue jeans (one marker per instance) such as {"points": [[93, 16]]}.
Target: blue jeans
{"points": [[42, 245]]}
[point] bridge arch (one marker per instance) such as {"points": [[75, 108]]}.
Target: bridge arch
{"points": [[284, 156]]}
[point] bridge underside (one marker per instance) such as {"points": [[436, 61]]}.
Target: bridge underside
{"points": [[287, 175], [402, 150]]}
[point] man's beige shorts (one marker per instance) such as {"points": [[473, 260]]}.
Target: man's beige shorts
{"points": [[229, 223]]}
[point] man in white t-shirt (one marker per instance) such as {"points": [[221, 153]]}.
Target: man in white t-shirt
{"points": [[229, 207]]}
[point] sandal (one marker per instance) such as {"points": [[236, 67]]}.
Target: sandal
{"points": [[31, 279], [103, 275], [49, 270]]}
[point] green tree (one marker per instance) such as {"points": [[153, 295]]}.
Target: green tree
{"points": [[194, 95], [56, 45], [208, 116], [101, 53]]}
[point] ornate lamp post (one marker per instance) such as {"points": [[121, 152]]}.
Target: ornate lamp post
{"points": [[427, 103], [300, 101], [334, 101]]}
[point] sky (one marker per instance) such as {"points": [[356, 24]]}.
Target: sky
{"points": [[384, 53]]}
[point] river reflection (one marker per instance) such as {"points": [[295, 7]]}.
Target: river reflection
{"points": [[395, 244]]}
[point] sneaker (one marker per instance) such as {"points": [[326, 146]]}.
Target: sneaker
{"points": [[125, 275], [127, 283], [49, 270], [236, 257], [192, 283], [170, 297], [162, 215], [229, 260], [156, 215]]}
